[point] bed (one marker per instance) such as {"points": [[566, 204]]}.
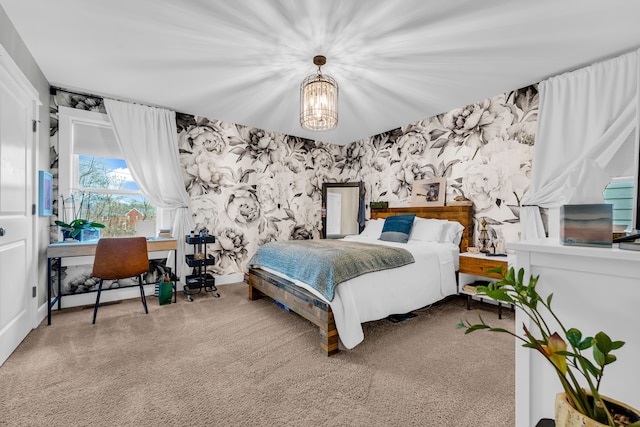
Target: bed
{"points": [[368, 297]]}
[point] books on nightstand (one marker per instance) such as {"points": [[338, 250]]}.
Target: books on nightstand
{"points": [[471, 287]]}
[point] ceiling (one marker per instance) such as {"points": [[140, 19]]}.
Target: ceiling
{"points": [[396, 62]]}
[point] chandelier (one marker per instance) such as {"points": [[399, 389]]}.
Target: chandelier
{"points": [[319, 100]]}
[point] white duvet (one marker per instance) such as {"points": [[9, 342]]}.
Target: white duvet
{"points": [[376, 295]]}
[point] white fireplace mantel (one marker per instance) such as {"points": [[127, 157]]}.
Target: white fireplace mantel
{"points": [[594, 289]]}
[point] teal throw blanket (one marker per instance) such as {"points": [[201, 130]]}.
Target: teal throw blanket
{"points": [[323, 264]]}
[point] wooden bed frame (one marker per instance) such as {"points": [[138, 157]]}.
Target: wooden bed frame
{"points": [[261, 283]]}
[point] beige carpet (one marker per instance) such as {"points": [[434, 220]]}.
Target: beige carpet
{"points": [[235, 362]]}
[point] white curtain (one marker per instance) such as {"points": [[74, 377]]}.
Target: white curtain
{"points": [[147, 138], [585, 116]]}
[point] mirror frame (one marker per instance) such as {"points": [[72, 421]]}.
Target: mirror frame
{"points": [[361, 207]]}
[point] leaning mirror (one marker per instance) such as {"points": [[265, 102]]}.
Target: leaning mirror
{"points": [[342, 209]]}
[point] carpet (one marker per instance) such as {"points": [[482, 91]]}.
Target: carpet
{"points": [[229, 361]]}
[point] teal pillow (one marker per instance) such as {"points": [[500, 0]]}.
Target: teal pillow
{"points": [[397, 228]]}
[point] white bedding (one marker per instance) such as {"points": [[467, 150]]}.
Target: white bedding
{"points": [[374, 296]]}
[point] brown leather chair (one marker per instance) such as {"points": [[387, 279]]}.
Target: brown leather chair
{"points": [[120, 258]]}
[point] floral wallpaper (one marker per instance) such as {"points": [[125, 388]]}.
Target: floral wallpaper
{"points": [[249, 186], [484, 150]]}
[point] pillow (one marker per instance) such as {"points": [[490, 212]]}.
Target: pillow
{"points": [[397, 228], [427, 230], [373, 228], [452, 232]]}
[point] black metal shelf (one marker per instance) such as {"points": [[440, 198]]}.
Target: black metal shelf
{"points": [[199, 278], [198, 240], [193, 262]]}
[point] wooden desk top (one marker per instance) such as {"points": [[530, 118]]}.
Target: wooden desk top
{"points": [[70, 249]]}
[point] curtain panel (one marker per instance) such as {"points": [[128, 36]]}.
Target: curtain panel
{"points": [[584, 117], [147, 137]]}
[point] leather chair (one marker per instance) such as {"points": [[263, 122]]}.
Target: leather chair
{"points": [[120, 258]]}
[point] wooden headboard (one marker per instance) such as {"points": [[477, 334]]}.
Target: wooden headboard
{"points": [[462, 214]]}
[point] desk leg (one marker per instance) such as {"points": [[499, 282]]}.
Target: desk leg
{"points": [[59, 296], [175, 273], [49, 285]]}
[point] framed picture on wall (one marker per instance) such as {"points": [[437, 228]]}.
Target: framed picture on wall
{"points": [[45, 193], [429, 192]]}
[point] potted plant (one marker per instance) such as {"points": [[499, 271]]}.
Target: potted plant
{"points": [[76, 228], [569, 362], [73, 229]]}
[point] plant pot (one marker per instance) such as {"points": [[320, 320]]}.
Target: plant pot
{"points": [[84, 235], [568, 416]]}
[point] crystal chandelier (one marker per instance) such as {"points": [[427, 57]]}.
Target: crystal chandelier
{"points": [[319, 100]]}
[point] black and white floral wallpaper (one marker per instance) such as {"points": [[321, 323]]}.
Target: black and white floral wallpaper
{"points": [[249, 186]]}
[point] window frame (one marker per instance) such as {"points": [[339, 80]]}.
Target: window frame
{"points": [[69, 161]]}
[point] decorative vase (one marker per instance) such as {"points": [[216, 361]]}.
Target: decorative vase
{"points": [[568, 416]]}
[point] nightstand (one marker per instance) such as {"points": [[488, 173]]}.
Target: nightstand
{"points": [[474, 266]]}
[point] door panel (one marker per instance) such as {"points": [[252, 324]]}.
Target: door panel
{"points": [[16, 189]]}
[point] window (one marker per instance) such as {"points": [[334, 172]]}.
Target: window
{"points": [[620, 194], [94, 181]]}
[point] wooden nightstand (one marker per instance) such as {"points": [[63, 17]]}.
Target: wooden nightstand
{"points": [[473, 266]]}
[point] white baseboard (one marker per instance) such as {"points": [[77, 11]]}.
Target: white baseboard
{"points": [[89, 298]]}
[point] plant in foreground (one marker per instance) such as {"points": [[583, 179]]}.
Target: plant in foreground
{"points": [[570, 364]]}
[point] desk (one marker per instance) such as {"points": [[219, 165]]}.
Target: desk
{"points": [[61, 250]]}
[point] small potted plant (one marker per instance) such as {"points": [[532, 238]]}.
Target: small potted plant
{"points": [[569, 362], [78, 227], [73, 229]]}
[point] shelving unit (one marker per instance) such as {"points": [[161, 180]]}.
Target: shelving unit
{"points": [[199, 278]]}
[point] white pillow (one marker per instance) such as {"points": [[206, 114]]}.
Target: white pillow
{"points": [[452, 232], [373, 228], [427, 230]]}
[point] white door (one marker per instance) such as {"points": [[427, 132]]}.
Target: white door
{"points": [[17, 266]]}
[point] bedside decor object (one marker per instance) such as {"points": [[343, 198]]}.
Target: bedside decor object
{"points": [[586, 225], [483, 239], [460, 201], [319, 99], [567, 354], [428, 192], [45, 193], [473, 250], [378, 205]]}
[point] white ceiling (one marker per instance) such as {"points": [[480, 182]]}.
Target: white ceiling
{"points": [[396, 61]]}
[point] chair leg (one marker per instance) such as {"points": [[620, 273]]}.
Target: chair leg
{"points": [[144, 299], [95, 308]]}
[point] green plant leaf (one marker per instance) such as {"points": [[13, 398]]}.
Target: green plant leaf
{"points": [[598, 355], [603, 342], [593, 370], [496, 270], [586, 343], [573, 335], [476, 327], [616, 345], [609, 358]]}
